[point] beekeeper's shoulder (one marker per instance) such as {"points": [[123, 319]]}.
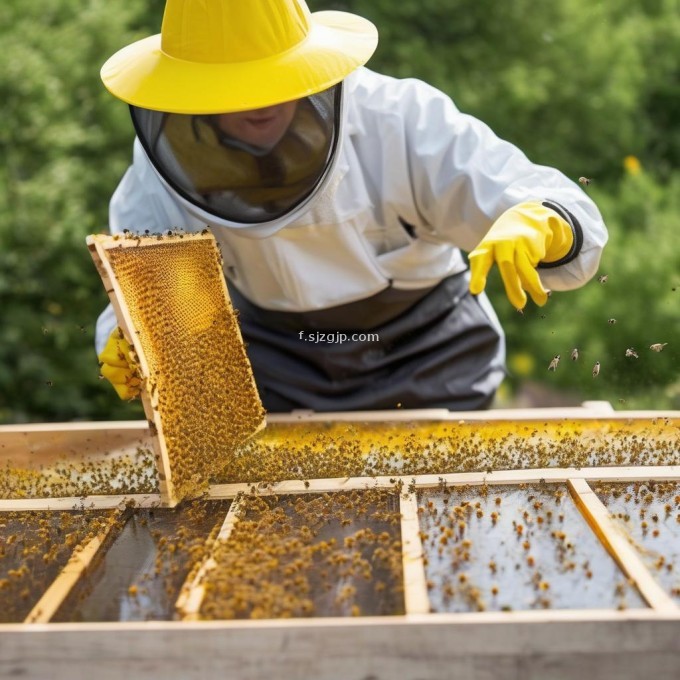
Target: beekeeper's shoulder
{"points": [[368, 91]]}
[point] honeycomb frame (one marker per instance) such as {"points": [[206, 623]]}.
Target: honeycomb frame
{"points": [[207, 402]]}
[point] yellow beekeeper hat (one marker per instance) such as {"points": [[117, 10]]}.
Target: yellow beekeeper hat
{"points": [[219, 56]]}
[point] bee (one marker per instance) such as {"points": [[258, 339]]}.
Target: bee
{"points": [[630, 352], [574, 354], [657, 346], [596, 369], [553, 364], [584, 180], [603, 279], [611, 322], [49, 383]]}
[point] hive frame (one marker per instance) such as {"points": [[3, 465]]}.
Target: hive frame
{"points": [[98, 249], [98, 246]]}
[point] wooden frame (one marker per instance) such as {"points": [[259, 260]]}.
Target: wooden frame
{"points": [[99, 247], [550, 644]]}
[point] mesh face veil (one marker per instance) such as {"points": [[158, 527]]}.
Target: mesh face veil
{"points": [[247, 167]]}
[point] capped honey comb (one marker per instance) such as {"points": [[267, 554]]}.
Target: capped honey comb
{"points": [[198, 390]]}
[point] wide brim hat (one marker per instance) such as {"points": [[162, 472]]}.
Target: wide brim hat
{"points": [[221, 56]]}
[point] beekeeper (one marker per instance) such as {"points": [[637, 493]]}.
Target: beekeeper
{"points": [[341, 200]]}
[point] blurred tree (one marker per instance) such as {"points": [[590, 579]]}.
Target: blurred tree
{"points": [[661, 113], [64, 147], [565, 81]]}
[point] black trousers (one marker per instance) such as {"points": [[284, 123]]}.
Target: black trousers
{"points": [[434, 348]]}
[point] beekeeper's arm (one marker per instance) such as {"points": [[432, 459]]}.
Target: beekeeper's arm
{"points": [[483, 194], [140, 202]]}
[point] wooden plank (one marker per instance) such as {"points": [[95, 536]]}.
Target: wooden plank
{"points": [[34, 446], [138, 427], [227, 491], [191, 595], [542, 616], [619, 547], [416, 599], [98, 247], [58, 591], [593, 410], [141, 427], [607, 647], [81, 502], [552, 475]]}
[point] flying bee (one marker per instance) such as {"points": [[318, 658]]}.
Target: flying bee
{"points": [[603, 278], [574, 354], [585, 181], [657, 346], [553, 364], [596, 369], [611, 322], [630, 352]]}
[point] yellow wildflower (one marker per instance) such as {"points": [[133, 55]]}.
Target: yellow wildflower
{"points": [[632, 165], [522, 364]]}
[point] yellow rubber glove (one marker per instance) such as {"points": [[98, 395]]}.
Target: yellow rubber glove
{"points": [[117, 365], [520, 239]]}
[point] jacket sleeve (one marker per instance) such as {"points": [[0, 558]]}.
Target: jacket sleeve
{"points": [[464, 177], [139, 202]]}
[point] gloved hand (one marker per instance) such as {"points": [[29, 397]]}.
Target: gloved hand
{"points": [[518, 241], [117, 365]]}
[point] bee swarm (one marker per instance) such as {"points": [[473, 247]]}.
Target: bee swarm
{"points": [[34, 547], [330, 555]]}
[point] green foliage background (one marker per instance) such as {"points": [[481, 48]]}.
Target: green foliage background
{"points": [[578, 85]]}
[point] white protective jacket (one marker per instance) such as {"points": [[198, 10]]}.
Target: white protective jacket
{"points": [[407, 155]]}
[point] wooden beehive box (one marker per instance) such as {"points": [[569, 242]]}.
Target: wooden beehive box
{"points": [[534, 544]]}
